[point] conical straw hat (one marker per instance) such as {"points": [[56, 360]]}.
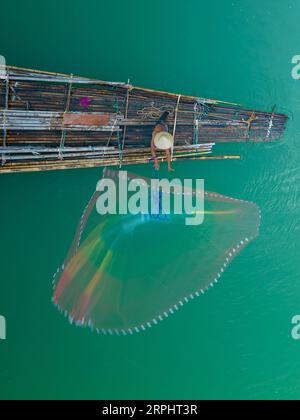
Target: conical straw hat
{"points": [[163, 140]]}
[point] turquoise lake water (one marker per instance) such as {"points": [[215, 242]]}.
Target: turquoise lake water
{"points": [[235, 342]]}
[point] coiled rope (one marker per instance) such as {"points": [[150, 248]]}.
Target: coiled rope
{"points": [[153, 112]]}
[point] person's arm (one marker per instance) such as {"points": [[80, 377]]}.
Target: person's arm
{"points": [[169, 158], [153, 152]]}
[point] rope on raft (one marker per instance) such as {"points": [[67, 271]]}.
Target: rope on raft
{"points": [[271, 123], [67, 108], [117, 111], [201, 111], [196, 124], [129, 88], [4, 116], [154, 113], [175, 125]]}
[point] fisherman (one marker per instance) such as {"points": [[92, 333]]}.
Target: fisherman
{"points": [[162, 140], [250, 120]]}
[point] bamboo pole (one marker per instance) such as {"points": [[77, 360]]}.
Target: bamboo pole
{"points": [[61, 77], [45, 76], [22, 155], [62, 165]]}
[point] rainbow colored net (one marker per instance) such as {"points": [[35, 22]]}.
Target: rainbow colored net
{"points": [[125, 273]]}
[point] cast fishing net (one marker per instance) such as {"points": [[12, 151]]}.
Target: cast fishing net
{"points": [[125, 273]]}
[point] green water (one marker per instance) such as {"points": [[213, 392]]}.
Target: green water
{"points": [[235, 342]]}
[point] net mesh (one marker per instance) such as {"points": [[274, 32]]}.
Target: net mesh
{"points": [[125, 273]]}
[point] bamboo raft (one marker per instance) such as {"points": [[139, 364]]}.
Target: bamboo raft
{"points": [[54, 121]]}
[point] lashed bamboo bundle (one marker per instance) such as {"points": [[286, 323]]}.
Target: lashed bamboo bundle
{"points": [[55, 119], [91, 163]]}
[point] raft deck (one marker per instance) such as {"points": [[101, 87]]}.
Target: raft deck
{"points": [[55, 121]]}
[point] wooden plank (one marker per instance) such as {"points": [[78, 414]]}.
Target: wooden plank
{"points": [[86, 119]]}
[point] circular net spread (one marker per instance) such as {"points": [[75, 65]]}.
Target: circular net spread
{"points": [[126, 273]]}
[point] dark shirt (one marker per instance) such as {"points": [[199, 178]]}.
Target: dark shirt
{"points": [[163, 125]]}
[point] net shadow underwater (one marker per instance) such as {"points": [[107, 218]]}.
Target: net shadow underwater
{"points": [[126, 273]]}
